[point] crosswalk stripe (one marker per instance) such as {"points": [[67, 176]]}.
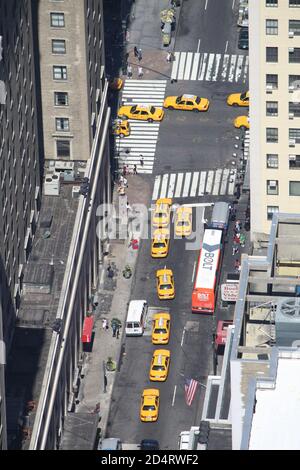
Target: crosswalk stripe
{"points": [[239, 66], [217, 65], [156, 187], [187, 182], [178, 184], [195, 66], [171, 185], [225, 67], [188, 65], [181, 65], [224, 181], [164, 183], [217, 181], [209, 67], [203, 67], [194, 183], [232, 67], [202, 183], [246, 69], [146, 81], [175, 65]]}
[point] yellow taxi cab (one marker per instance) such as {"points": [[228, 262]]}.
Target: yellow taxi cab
{"points": [[149, 405], [239, 99], [186, 103], [161, 328], [160, 243], [183, 221], [141, 112], [159, 365], [241, 122], [121, 128], [165, 284], [162, 212], [115, 83]]}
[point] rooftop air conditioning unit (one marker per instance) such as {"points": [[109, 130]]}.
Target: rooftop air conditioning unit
{"points": [[75, 192], [52, 184]]}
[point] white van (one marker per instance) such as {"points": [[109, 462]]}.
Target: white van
{"points": [[136, 317]]}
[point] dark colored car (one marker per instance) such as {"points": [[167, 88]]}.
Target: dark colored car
{"points": [[149, 444], [243, 39]]}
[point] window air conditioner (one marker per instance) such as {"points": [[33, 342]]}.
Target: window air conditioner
{"points": [[292, 157], [291, 115], [291, 88], [291, 34], [292, 142], [291, 49], [269, 88]]}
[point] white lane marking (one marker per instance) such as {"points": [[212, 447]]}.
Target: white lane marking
{"points": [[239, 67], [217, 65], [164, 183], [224, 181], [209, 67], [175, 66], [232, 177], [188, 65], [195, 66], [198, 47], [182, 337], [202, 183], [181, 65], [209, 182], [171, 185], [178, 184], [174, 394], [226, 47], [217, 181], [194, 269], [186, 184], [206, 2], [225, 66], [194, 184], [156, 187], [233, 1], [246, 69], [232, 67], [203, 67]]}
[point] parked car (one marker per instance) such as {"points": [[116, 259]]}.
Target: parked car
{"points": [[243, 39], [149, 444]]}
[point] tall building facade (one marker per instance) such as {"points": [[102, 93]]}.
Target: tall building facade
{"points": [[274, 57], [20, 175]]}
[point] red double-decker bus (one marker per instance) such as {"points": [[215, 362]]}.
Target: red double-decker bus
{"points": [[204, 292]]}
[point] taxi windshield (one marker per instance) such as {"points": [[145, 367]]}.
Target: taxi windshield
{"points": [[178, 99], [243, 95], [198, 100], [166, 286], [148, 407], [159, 245], [183, 222], [161, 214], [152, 110], [133, 109], [158, 367], [158, 331]]}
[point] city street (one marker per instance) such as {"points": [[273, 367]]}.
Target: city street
{"points": [[188, 145]]}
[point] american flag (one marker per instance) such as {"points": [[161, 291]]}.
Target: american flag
{"points": [[190, 387]]}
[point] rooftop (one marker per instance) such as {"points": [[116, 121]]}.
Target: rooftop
{"points": [[42, 282]]}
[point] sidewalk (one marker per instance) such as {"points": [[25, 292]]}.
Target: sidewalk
{"points": [[114, 296]]}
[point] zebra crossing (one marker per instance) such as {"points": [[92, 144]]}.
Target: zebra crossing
{"points": [[143, 135], [208, 67], [194, 184]]}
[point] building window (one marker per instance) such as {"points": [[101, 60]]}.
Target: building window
{"points": [[272, 81], [58, 46], [271, 3], [63, 149], [272, 108], [272, 187], [272, 134], [61, 98], [294, 162], [294, 109], [294, 3], [271, 210], [271, 54], [294, 55], [57, 20], [294, 27], [272, 160], [62, 124], [294, 188], [59, 72], [272, 27], [294, 81], [294, 134]]}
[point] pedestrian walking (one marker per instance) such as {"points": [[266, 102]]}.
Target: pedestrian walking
{"points": [[237, 238], [128, 206], [141, 160], [242, 240], [114, 329], [110, 272], [235, 249], [124, 170], [118, 331], [237, 265], [136, 52], [140, 72], [134, 170], [129, 71], [140, 55], [104, 324], [169, 57]]}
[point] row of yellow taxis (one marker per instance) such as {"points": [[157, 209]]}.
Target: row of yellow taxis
{"points": [[160, 362]]}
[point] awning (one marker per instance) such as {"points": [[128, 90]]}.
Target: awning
{"points": [[87, 329], [222, 332]]}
